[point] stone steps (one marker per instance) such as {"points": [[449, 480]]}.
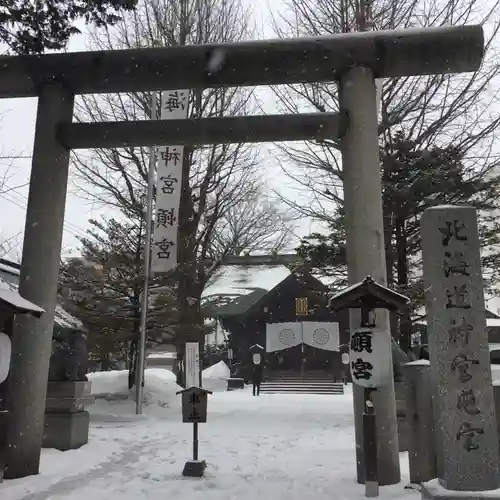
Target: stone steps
{"points": [[301, 386]]}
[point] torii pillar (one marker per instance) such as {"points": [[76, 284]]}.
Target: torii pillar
{"points": [[32, 341], [355, 59], [366, 251]]}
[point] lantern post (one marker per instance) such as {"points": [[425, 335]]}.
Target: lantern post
{"points": [[370, 359], [11, 305]]}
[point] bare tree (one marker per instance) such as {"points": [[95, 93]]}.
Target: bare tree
{"points": [[11, 246], [429, 111], [221, 204], [421, 118]]}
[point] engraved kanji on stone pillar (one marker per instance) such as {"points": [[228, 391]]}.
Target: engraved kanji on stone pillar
{"points": [[466, 432]]}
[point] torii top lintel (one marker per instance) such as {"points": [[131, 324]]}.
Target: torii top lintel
{"points": [[399, 53]]}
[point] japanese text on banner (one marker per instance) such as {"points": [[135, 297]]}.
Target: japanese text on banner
{"points": [[174, 106], [369, 356]]}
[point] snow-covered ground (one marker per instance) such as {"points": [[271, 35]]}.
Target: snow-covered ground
{"points": [[271, 447]]}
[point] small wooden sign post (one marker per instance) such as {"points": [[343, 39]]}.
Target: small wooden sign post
{"points": [[194, 411]]}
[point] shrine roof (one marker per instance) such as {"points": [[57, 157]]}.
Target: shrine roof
{"points": [[241, 304], [236, 280], [9, 280], [238, 288]]}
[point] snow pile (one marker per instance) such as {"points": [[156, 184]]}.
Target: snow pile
{"points": [[215, 377], [114, 400]]}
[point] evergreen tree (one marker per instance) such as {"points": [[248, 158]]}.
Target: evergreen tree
{"points": [[103, 288], [437, 133], [414, 179], [31, 27]]}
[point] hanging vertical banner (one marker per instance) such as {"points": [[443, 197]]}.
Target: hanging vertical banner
{"points": [[174, 106], [370, 355], [192, 364]]}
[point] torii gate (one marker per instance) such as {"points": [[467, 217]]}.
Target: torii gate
{"points": [[353, 60]]}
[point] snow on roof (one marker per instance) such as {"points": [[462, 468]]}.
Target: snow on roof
{"points": [[162, 355], [241, 280], [258, 346], [234, 288], [65, 319], [12, 270], [17, 302], [492, 313], [350, 288], [9, 280]]}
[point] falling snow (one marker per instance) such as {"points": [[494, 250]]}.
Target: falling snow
{"points": [[272, 447]]}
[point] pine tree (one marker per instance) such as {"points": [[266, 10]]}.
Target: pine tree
{"points": [[29, 27], [414, 179], [103, 288]]}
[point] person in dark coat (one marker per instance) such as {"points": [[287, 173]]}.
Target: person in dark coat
{"points": [[256, 378]]}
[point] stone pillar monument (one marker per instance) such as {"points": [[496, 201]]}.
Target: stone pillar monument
{"points": [[66, 425], [464, 414]]}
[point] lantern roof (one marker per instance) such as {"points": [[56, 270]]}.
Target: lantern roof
{"points": [[368, 294]]}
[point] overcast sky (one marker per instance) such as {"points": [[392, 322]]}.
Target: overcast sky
{"points": [[17, 123], [17, 127]]}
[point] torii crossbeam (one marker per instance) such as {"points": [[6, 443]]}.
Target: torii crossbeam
{"points": [[353, 60]]}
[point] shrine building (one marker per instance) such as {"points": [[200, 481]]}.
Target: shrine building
{"points": [[284, 311]]}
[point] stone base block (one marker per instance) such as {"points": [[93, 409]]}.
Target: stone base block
{"points": [[235, 383], [68, 405], [68, 390], [194, 468], [66, 431], [432, 490]]}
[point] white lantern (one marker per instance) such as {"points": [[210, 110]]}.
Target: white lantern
{"points": [[345, 358], [5, 354], [256, 359], [370, 355]]}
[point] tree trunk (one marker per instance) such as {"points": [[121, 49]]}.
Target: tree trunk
{"points": [[402, 277], [105, 362], [389, 258], [189, 289], [134, 343]]}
